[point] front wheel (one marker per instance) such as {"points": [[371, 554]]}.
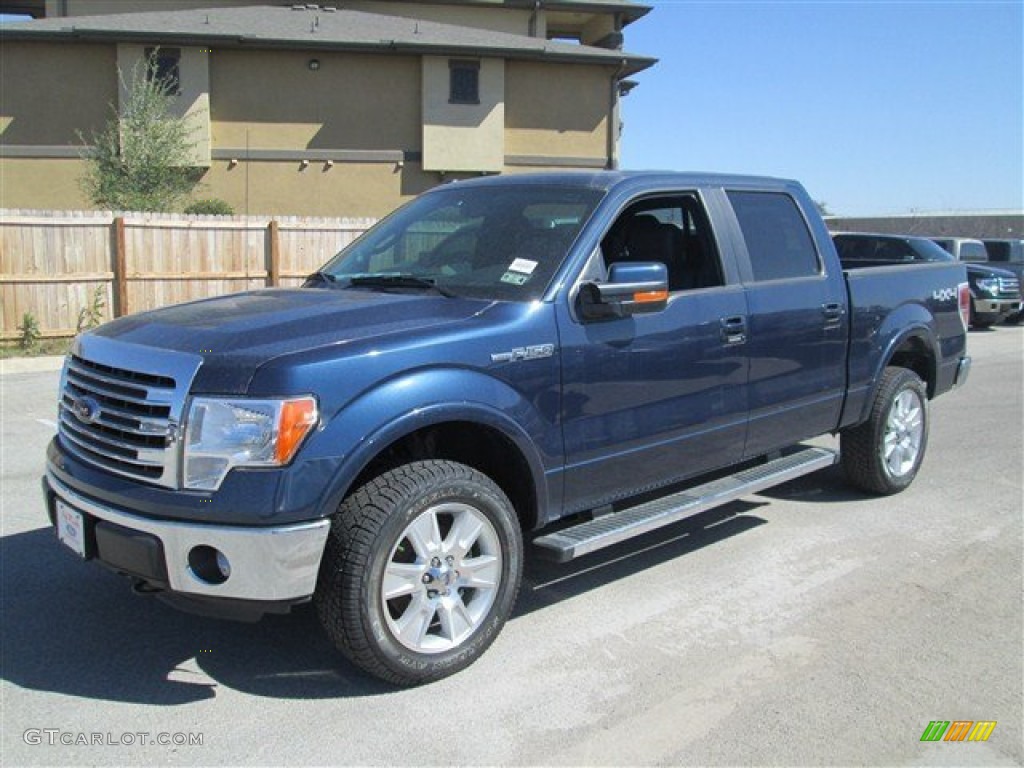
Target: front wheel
{"points": [[883, 454], [420, 572]]}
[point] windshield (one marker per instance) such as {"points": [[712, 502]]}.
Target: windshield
{"points": [[498, 243], [930, 251]]}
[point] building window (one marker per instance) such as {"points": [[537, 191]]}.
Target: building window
{"points": [[463, 82], [164, 67]]}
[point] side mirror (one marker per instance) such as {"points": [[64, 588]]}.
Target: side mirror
{"points": [[631, 289]]}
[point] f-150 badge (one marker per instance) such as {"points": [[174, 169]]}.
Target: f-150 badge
{"points": [[535, 352]]}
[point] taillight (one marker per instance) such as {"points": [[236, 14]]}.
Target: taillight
{"points": [[964, 296]]}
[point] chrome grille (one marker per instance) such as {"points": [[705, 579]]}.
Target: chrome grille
{"points": [[116, 418], [121, 405], [1009, 288]]}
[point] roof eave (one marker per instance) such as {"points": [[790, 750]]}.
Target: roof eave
{"points": [[630, 64]]}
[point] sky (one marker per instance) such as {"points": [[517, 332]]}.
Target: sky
{"points": [[876, 107]]}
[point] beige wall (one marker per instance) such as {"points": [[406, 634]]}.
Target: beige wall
{"points": [[258, 187], [49, 92], [355, 107], [192, 103], [272, 100], [39, 183], [463, 137], [597, 28], [345, 189], [556, 110]]}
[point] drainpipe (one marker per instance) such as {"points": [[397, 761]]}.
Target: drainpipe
{"points": [[613, 124], [532, 27]]}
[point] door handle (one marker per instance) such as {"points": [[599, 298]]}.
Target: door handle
{"points": [[833, 312], [734, 330]]}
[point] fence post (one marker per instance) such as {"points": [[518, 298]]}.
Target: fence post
{"points": [[120, 269], [274, 254]]}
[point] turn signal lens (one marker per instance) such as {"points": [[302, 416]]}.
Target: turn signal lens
{"points": [[646, 297], [297, 418]]}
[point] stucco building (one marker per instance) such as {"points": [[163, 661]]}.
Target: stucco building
{"points": [[321, 110]]}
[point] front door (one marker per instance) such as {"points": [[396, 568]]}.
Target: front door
{"points": [[655, 398]]}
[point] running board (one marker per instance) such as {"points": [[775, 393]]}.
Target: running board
{"points": [[587, 537]]}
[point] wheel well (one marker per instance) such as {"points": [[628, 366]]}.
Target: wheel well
{"points": [[485, 449], [915, 354]]}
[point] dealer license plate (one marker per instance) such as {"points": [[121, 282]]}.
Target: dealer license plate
{"points": [[71, 528]]}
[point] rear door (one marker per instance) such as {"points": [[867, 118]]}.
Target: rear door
{"points": [[798, 318]]}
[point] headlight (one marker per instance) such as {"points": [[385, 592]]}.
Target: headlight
{"points": [[223, 433], [988, 284]]}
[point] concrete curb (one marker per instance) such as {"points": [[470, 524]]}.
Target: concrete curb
{"points": [[30, 364]]}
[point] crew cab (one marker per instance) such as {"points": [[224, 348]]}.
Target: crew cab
{"points": [[608, 352]]}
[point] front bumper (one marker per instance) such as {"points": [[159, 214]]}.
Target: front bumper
{"points": [[267, 564], [996, 307]]}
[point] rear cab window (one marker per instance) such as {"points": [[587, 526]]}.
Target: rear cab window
{"points": [[778, 241]]}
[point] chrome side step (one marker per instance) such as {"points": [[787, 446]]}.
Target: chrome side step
{"points": [[589, 536]]}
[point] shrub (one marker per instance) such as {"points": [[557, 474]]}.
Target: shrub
{"points": [[30, 334], [92, 315], [141, 160], [211, 206]]}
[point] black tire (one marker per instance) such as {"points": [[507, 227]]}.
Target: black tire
{"points": [[417, 636], [883, 454]]}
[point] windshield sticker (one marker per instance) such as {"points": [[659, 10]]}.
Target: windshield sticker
{"points": [[515, 278], [523, 265]]}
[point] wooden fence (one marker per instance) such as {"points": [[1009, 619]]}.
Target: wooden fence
{"points": [[53, 263]]}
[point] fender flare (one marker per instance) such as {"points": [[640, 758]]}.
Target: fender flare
{"points": [[919, 330], [383, 415]]}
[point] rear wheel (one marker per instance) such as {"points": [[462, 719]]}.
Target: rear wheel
{"points": [[883, 454], [420, 572]]}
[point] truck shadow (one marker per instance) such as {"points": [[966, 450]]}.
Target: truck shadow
{"points": [[76, 629], [546, 583], [823, 486]]}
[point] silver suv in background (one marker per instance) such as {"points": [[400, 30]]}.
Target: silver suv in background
{"points": [[963, 248]]}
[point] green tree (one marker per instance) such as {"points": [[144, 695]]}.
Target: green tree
{"points": [[141, 159]]}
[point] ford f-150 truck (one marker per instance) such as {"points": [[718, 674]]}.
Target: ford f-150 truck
{"points": [[611, 351]]}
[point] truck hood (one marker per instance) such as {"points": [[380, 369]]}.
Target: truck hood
{"points": [[984, 270], [237, 334]]}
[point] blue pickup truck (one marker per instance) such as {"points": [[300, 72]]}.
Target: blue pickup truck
{"points": [[608, 351]]}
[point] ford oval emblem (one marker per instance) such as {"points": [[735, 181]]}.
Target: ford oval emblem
{"points": [[87, 410]]}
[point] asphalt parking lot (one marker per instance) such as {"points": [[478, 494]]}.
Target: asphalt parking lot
{"points": [[805, 625]]}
